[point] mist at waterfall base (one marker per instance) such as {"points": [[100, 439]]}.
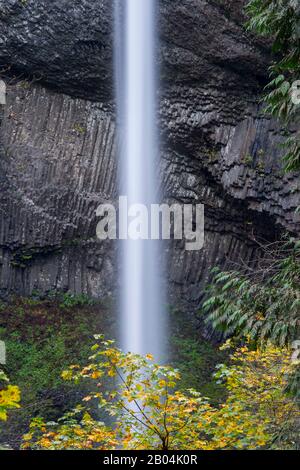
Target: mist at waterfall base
{"points": [[143, 323]]}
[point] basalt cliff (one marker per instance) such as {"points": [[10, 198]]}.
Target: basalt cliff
{"points": [[58, 143]]}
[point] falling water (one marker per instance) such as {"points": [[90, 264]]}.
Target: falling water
{"points": [[142, 319]]}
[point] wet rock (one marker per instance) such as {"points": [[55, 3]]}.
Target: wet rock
{"points": [[58, 156]]}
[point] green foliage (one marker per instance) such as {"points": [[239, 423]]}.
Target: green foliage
{"points": [[194, 357], [35, 372], [42, 339], [196, 360], [276, 17], [280, 20], [262, 304], [75, 300]]}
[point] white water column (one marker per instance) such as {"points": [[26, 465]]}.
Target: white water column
{"points": [[142, 298]]}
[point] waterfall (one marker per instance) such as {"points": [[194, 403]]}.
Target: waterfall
{"points": [[141, 298]]}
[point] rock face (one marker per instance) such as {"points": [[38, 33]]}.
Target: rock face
{"points": [[58, 143]]}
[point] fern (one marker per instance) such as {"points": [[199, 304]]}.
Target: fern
{"points": [[264, 305], [280, 20]]}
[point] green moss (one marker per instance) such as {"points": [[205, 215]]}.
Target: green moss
{"points": [[261, 153], [24, 84], [74, 242], [213, 155], [79, 129], [195, 357], [247, 160]]}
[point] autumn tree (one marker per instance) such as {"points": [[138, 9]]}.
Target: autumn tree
{"points": [[9, 396], [258, 413], [149, 411]]}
